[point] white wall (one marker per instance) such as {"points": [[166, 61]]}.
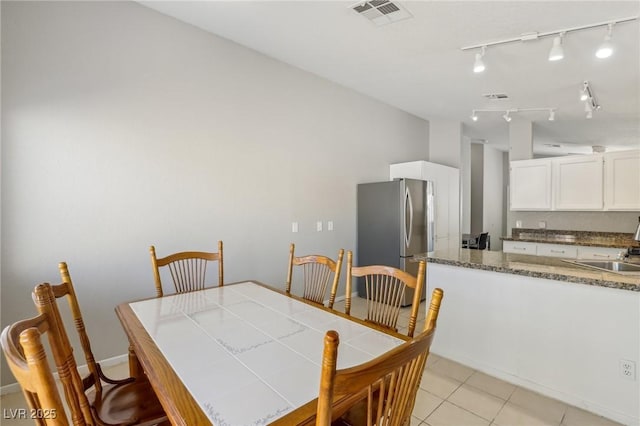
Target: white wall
{"points": [[477, 188], [520, 139], [493, 206], [123, 128], [446, 140], [465, 185], [564, 340]]}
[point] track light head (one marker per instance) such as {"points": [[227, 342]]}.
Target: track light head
{"points": [[590, 102], [557, 52], [507, 117], [583, 95], [478, 65], [474, 116], [606, 48]]}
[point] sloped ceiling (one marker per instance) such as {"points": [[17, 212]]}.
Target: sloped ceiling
{"points": [[417, 64]]}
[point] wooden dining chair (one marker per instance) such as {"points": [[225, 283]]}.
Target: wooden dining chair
{"points": [[96, 398], [385, 290], [28, 362], [317, 271], [188, 269], [381, 391]]}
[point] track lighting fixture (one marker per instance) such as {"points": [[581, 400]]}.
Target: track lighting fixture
{"points": [[478, 65], [557, 52], [606, 48], [507, 112], [590, 102]]}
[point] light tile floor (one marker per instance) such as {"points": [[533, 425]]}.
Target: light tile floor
{"points": [[450, 394]]}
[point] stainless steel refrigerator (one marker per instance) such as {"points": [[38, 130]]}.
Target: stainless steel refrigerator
{"points": [[395, 220]]}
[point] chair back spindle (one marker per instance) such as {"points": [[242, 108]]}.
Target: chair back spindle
{"points": [[66, 290]]}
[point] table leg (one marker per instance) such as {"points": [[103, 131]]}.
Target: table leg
{"points": [[135, 369]]}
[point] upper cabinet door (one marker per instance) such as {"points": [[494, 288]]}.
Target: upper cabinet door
{"points": [[577, 182], [622, 180], [530, 185]]}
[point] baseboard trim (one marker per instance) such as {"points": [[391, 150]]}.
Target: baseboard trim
{"points": [[105, 363]]}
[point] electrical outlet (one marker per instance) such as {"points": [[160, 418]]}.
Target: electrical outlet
{"points": [[628, 369], [330, 225], [294, 226]]}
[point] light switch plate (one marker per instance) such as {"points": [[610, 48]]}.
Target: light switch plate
{"points": [[294, 226], [330, 225], [319, 226]]}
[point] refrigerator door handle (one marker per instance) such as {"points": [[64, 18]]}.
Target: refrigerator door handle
{"points": [[408, 204]]}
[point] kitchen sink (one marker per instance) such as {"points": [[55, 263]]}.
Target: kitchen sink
{"points": [[609, 266]]}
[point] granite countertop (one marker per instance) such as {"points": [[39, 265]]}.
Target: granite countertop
{"points": [[531, 266]]}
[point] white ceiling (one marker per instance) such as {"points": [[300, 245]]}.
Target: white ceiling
{"points": [[417, 64]]}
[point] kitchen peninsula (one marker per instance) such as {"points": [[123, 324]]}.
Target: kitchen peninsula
{"points": [[541, 323]]}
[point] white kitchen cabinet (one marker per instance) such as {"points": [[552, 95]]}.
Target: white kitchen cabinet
{"points": [[447, 195], [557, 250], [594, 182], [577, 182], [622, 180], [530, 184], [599, 253], [519, 247]]}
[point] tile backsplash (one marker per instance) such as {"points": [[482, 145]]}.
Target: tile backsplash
{"points": [[620, 239], [625, 222]]}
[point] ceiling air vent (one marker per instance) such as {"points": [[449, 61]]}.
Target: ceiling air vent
{"points": [[495, 96], [382, 12]]}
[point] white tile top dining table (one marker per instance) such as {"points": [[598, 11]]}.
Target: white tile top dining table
{"points": [[242, 354]]}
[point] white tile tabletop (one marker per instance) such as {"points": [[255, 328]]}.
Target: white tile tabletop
{"points": [[246, 343]]}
